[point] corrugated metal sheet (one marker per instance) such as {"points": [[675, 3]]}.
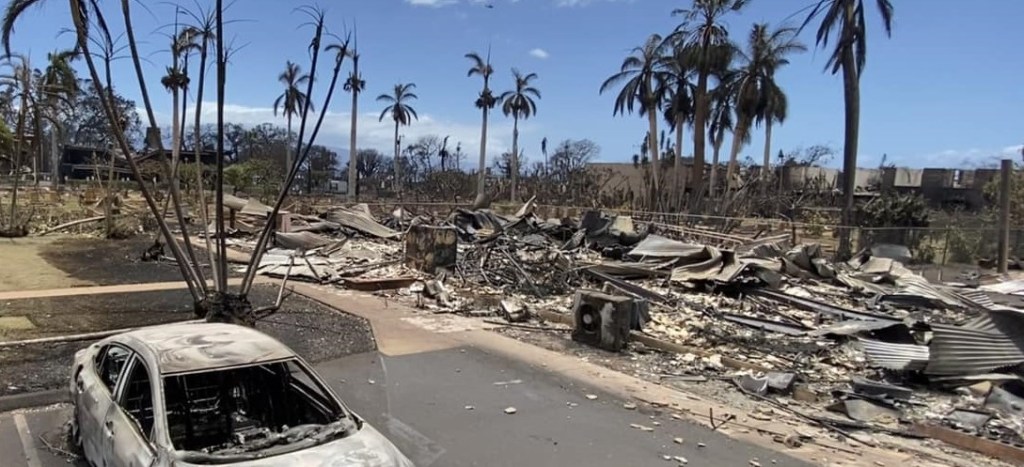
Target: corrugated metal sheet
{"points": [[989, 342], [978, 297], [895, 356], [355, 218]]}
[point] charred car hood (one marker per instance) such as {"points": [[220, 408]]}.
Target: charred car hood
{"points": [[366, 448]]}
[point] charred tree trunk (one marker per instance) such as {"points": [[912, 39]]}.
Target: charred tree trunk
{"points": [[222, 307]]}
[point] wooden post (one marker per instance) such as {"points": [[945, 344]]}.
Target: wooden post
{"points": [[1004, 214]]}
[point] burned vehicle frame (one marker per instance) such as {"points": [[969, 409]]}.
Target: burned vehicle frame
{"points": [[212, 394]]}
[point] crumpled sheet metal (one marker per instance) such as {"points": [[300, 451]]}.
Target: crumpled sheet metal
{"points": [[722, 266], [656, 246], [358, 219], [992, 341], [895, 356], [916, 290], [1014, 287], [481, 219], [807, 257], [301, 240]]}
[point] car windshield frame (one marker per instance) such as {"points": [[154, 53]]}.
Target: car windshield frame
{"points": [[342, 421]]}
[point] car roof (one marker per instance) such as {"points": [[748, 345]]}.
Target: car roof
{"points": [[188, 347]]}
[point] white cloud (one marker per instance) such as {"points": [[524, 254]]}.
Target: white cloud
{"points": [[966, 158], [1013, 151], [376, 134], [431, 3], [540, 53]]}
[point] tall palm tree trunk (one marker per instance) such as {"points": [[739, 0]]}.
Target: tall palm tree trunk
{"points": [[713, 183], [20, 134], [652, 142], [515, 156], [680, 176], [652, 138], [481, 178], [288, 148], [851, 97], [700, 117], [40, 149], [54, 155], [398, 164], [742, 127], [353, 153], [766, 168]]}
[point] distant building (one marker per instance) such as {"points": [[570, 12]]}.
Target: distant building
{"points": [[83, 163], [940, 187]]}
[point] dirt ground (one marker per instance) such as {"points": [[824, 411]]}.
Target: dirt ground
{"points": [[313, 330], [22, 266], [56, 262]]}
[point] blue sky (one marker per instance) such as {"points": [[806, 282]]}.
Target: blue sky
{"points": [[944, 91]]}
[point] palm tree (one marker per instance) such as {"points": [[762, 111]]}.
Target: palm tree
{"points": [[776, 107], [485, 103], [844, 21], [706, 43], [292, 100], [722, 109], [403, 114], [354, 84], [638, 77], [200, 36], [59, 85], [21, 85], [677, 93], [519, 103], [755, 81]]}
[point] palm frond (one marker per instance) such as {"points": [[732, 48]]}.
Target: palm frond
{"points": [[14, 10]]}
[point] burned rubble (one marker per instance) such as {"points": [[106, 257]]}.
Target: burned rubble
{"points": [[866, 345]]}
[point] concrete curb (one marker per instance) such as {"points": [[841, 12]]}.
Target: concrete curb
{"points": [[33, 399]]}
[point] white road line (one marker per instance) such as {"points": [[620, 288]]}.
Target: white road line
{"points": [[29, 448]]}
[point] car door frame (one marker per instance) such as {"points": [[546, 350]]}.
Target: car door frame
{"points": [[94, 400], [123, 438]]}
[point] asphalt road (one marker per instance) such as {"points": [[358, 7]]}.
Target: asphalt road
{"points": [[448, 408]]}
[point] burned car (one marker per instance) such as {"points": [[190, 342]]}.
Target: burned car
{"points": [[213, 394]]}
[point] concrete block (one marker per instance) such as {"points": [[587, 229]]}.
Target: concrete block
{"points": [[283, 221], [428, 247]]}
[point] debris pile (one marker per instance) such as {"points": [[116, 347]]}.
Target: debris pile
{"points": [[868, 339]]}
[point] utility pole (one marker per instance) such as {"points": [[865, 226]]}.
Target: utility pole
{"points": [[1006, 169]]}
